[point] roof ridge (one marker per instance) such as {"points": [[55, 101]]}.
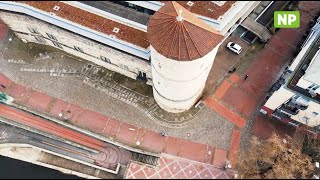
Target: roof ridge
{"points": [[162, 27], [183, 29], [175, 34], [171, 30], [203, 44], [183, 39], [179, 42], [193, 19], [193, 42]]}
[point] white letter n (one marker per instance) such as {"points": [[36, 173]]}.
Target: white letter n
{"points": [[282, 19]]}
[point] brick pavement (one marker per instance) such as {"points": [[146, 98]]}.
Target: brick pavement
{"points": [[225, 112], [242, 97], [114, 129], [227, 106], [3, 30], [177, 168]]}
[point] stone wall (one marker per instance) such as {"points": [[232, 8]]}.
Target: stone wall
{"points": [[117, 61]]}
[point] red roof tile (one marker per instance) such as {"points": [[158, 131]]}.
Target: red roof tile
{"points": [[206, 8], [92, 21], [184, 40]]}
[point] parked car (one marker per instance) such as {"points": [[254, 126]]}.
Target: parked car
{"points": [[234, 47]]}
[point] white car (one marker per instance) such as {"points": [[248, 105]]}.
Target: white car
{"points": [[234, 47]]}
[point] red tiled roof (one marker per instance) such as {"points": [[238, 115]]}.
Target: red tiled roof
{"points": [[92, 21], [206, 8], [181, 40]]}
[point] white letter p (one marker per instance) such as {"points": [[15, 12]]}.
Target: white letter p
{"points": [[291, 18]]}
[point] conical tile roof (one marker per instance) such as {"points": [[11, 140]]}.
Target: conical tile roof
{"points": [[182, 40]]}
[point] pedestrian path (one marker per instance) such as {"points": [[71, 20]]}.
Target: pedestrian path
{"points": [[113, 129], [177, 168]]}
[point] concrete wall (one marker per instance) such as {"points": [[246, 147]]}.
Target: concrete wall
{"points": [[32, 154], [179, 84], [92, 50]]}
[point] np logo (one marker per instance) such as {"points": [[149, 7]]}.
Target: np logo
{"points": [[286, 19]]}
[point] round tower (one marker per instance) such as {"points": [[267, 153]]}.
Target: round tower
{"points": [[183, 49]]}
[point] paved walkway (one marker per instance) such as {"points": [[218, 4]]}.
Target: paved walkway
{"points": [[239, 100], [112, 128], [120, 131], [177, 168], [207, 127], [226, 101]]}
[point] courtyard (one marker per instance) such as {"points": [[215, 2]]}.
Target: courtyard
{"points": [[51, 81]]}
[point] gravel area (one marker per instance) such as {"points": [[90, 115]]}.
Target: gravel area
{"points": [[208, 127]]}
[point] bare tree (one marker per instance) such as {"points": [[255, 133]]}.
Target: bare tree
{"points": [[273, 159]]}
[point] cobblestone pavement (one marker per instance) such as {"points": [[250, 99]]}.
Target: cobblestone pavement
{"points": [[206, 127], [218, 128], [205, 139], [113, 129], [177, 168]]}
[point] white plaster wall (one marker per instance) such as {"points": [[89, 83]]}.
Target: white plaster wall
{"points": [[21, 23], [179, 84]]}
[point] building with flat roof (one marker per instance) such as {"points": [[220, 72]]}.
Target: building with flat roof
{"points": [[296, 95]]}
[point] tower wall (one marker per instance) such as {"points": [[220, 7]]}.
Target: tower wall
{"points": [[178, 85]]}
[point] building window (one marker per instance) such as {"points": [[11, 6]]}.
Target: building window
{"points": [[40, 39], [57, 44], [33, 30], [52, 37], [78, 49], [105, 59], [125, 67]]}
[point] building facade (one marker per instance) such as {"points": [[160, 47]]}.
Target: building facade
{"points": [[120, 42], [183, 49], [296, 96]]}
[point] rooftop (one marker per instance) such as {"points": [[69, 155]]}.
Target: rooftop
{"points": [[116, 8], [206, 8], [307, 57], [178, 34], [313, 72], [92, 21]]}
